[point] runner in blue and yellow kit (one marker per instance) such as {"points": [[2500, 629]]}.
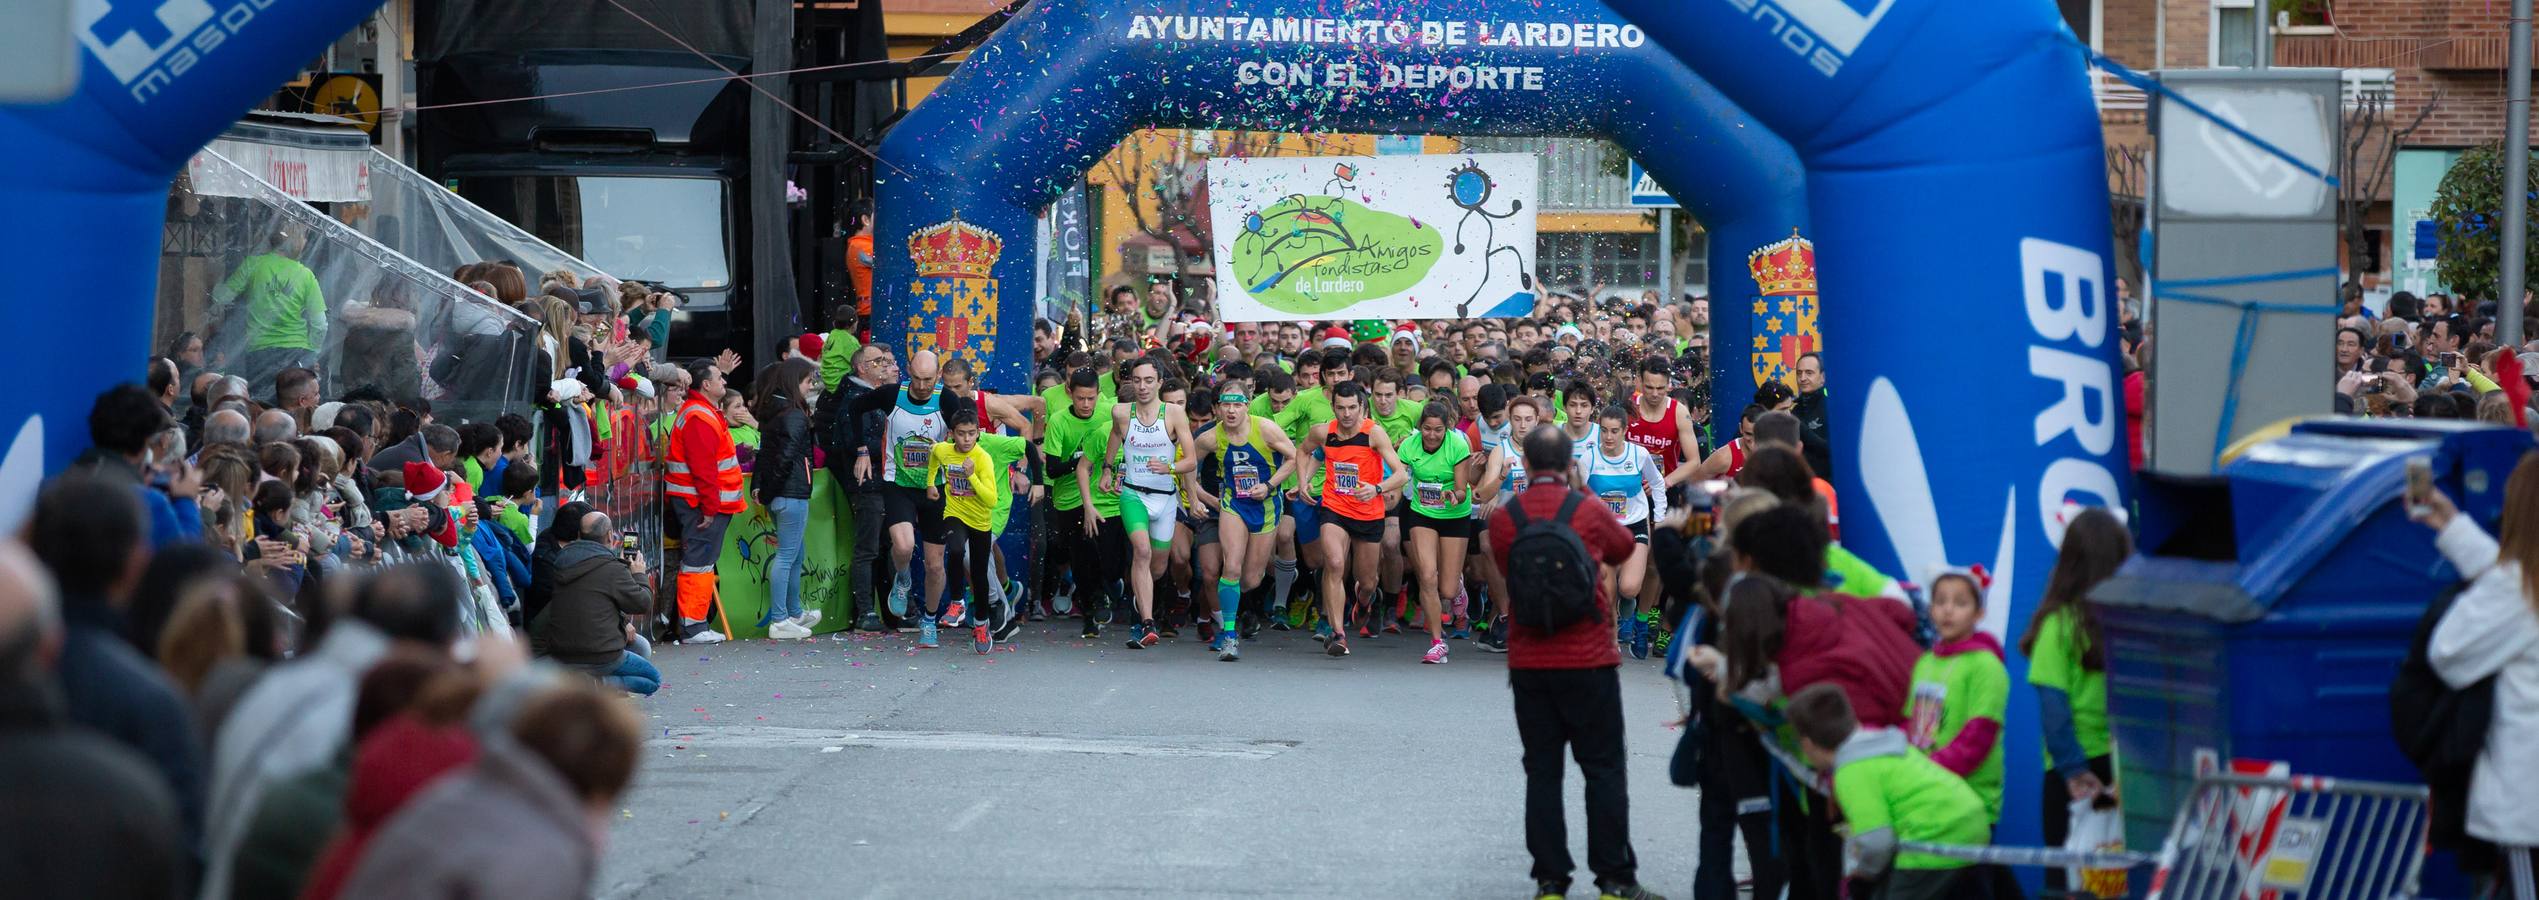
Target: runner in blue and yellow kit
{"points": [[1252, 455]]}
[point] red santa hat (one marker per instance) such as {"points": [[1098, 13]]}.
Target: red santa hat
{"points": [[424, 481], [811, 344]]}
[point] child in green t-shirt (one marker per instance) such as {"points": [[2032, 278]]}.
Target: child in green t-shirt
{"points": [[1961, 691], [2067, 664], [1889, 794]]}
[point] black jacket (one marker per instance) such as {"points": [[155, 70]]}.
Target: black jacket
{"points": [[106, 825], [1816, 432], [840, 432], [783, 466], [114, 689], [584, 622]]}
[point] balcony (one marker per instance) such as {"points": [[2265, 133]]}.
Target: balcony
{"points": [[2298, 48]]}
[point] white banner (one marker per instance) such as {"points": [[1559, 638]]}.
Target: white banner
{"points": [[308, 174], [1358, 237]]}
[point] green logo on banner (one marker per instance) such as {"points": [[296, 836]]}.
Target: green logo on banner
{"points": [[1309, 255]]}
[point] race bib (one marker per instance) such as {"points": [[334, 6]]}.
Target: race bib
{"points": [[1516, 475], [958, 479], [1432, 494], [1930, 705], [1344, 476], [1616, 500], [1246, 477], [913, 452]]}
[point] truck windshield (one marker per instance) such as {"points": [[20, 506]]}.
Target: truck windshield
{"points": [[663, 230]]}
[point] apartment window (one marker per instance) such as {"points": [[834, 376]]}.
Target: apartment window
{"points": [[2085, 18], [1620, 261], [2234, 34], [1573, 175]]}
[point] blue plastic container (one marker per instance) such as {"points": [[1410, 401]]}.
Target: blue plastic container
{"points": [[2268, 609]]}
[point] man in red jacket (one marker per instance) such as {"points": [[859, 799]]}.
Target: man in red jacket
{"points": [[1569, 694]]}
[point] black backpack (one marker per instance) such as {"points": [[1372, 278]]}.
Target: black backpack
{"points": [[1551, 579], [2441, 730]]}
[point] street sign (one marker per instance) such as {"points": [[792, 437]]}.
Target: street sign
{"points": [[1645, 192]]}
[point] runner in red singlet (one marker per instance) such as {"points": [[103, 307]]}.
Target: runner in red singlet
{"points": [[1659, 424], [1730, 458]]}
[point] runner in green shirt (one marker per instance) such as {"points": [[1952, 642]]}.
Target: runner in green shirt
{"points": [[1080, 423], [1439, 520]]}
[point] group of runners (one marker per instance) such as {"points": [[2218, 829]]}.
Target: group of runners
{"points": [[1342, 488]]}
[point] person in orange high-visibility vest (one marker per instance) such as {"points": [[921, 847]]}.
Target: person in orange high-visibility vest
{"points": [[702, 486]]}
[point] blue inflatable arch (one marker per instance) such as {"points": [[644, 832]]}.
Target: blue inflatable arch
{"points": [[1056, 88], [83, 194], [1953, 179], [1956, 178]]}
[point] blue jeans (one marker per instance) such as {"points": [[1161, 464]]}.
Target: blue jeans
{"points": [[635, 675], [784, 573]]}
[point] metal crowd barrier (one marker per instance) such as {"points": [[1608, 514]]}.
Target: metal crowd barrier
{"points": [[2247, 836]]}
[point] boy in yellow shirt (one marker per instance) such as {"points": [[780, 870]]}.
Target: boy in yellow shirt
{"points": [[969, 474]]}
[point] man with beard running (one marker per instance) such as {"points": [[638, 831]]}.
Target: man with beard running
{"points": [[913, 423]]}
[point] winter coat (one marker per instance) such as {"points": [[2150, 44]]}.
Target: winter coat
{"points": [[508, 826], [294, 718], [784, 458], [584, 623], [99, 824], [841, 431], [2491, 629], [393, 766], [1864, 646], [112, 688]]}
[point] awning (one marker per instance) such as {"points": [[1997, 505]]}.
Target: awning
{"points": [[313, 158]]}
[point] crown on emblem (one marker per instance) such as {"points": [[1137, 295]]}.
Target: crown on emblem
{"points": [[1785, 267], [956, 249]]}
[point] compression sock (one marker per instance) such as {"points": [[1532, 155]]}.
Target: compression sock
{"points": [[1229, 601], [1283, 579]]}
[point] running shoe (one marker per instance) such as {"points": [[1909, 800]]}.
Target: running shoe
{"points": [[1217, 641], [1102, 613], [1290, 618], [871, 622], [1462, 630], [954, 615], [1322, 633], [899, 595], [926, 634], [1436, 655], [1626, 892], [1151, 637], [1338, 646], [1140, 637], [1247, 626], [1550, 890], [1164, 626], [1208, 632], [698, 633], [1013, 625], [981, 639], [1639, 639], [1092, 629], [1497, 640], [1231, 650], [1622, 631]]}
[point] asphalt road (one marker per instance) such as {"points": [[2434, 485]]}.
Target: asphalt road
{"points": [[859, 768]]}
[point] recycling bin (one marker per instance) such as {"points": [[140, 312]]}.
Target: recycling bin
{"points": [[2268, 607]]}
